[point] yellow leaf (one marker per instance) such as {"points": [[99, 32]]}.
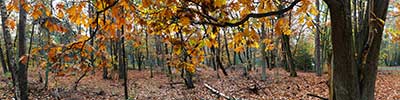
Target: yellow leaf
{"points": [[313, 11], [48, 12], [269, 47], [60, 14], [214, 43], [82, 37], [287, 31], [282, 27], [177, 50], [219, 3], [239, 49], [254, 45], [208, 43], [213, 36], [309, 24], [245, 1], [43, 64], [189, 67], [267, 41]]}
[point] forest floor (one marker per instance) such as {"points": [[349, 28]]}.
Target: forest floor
{"points": [[278, 86]]}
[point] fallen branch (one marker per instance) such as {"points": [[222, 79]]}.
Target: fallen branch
{"points": [[216, 91], [314, 95], [174, 83]]}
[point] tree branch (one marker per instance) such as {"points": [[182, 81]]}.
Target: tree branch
{"points": [[251, 15], [97, 22]]}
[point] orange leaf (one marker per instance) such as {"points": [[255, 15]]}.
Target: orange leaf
{"points": [[185, 21], [10, 23], [24, 59]]}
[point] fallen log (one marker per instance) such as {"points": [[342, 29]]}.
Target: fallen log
{"points": [[216, 92]]}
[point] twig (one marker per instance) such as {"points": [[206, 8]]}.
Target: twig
{"points": [[79, 79], [314, 95]]}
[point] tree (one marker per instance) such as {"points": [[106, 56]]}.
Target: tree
{"points": [[3, 61], [318, 66], [346, 76], [22, 76], [7, 38], [188, 26], [354, 79]]}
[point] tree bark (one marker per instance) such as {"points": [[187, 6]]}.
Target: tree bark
{"points": [[227, 49], [121, 56], [8, 44], [317, 43], [368, 66], [288, 55], [3, 61], [22, 69], [125, 74], [345, 74], [264, 57], [218, 56]]}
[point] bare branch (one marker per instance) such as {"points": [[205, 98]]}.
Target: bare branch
{"points": [[251, 15]]}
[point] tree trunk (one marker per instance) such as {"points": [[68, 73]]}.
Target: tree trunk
{"points": [[22, 69], [218, 56], [125, 74], [148, 61], [139, 59], [121, 56], [370, 52], [227, 49], [188, 75], [7, 38], [3, 61], [345, 74], [355, 79], [317, 44], [288, 55]]}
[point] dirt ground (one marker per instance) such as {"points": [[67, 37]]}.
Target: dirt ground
{"points": [[278, 86]]}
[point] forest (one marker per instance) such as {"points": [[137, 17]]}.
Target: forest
{"points": [[200, 49]]}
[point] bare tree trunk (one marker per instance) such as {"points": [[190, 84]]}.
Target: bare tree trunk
{"points": [[345, 74], [317, 43], [147, 61], [355, 79], [3, 61], [218, 56], [288, 55], [121, 57], [139, 59], [227, 49], [8, 44], [22, 69], [264, 57], [125, 74], [370, 52], [30, 45]]}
